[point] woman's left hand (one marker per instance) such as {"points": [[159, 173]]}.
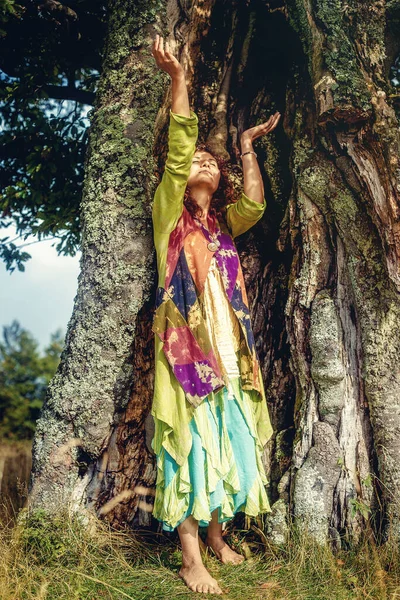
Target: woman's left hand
{"points": [[259, 130]]}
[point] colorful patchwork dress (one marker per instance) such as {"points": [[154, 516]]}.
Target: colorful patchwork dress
{"points": [[209, 407]]}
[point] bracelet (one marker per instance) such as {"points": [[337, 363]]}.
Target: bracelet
{"points": [[249, 152]]}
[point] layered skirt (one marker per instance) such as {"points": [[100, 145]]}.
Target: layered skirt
{"points": [[224, 468]]}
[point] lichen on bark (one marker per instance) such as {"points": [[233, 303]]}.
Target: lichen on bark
{"points": [[96, 374]]}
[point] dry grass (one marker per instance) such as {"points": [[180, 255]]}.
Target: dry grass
{"points": [[45, 559], [15, 467]]}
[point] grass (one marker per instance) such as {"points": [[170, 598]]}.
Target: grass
{"points": [[47, 558]]}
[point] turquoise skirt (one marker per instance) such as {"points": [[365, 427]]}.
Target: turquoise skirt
{"points": [[224, 469]]}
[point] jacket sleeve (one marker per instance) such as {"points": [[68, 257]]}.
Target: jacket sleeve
{"points": [[243, 214], [168, 199]]}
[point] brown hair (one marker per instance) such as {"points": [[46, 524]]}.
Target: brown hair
{"points": [[222, 196]]}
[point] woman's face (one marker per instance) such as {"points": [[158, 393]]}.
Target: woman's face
{"points": [[204, 171]]}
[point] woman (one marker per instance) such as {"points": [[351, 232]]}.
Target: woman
{"points": [[209, 407]]}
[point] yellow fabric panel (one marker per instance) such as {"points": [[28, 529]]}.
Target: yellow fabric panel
{"points": [[170, 409]]}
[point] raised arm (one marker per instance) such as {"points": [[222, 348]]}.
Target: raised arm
{"points": [[251, 205], [253, 183], [167, 62], [182, 137]]}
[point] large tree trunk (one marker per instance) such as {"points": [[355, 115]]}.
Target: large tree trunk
{"points": [[322, 269]]}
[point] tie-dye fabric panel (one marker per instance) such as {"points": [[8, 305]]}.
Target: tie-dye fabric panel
{"points": [[179, 316]]}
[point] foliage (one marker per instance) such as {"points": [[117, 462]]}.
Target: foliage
{"points": [[24, 377], [8, 8], [48, 540], [50, 63]]}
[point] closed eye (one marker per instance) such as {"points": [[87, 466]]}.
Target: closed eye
{"points": [[212, 162]]}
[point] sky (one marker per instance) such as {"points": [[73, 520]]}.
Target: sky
{"points": [[41, 297]]}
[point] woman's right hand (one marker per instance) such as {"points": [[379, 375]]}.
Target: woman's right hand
{"points": [[165, 60]]}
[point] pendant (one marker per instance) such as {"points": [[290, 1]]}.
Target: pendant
{"points": [[212, 246]]}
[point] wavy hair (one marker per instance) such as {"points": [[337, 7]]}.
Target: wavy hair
{"points": [[223, 195]]}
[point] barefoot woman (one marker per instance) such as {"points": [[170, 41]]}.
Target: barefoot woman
{"points": [[210, 412]]}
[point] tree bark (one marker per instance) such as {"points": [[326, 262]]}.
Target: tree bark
{"points": [[322, 268]]}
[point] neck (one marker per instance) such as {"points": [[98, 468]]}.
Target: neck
{"points": [[203, 199]]}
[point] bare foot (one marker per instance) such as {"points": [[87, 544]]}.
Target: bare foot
{"points": [[223, 552], [198, 579]]}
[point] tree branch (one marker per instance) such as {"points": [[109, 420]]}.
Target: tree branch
{"points": [[66, 92]]}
